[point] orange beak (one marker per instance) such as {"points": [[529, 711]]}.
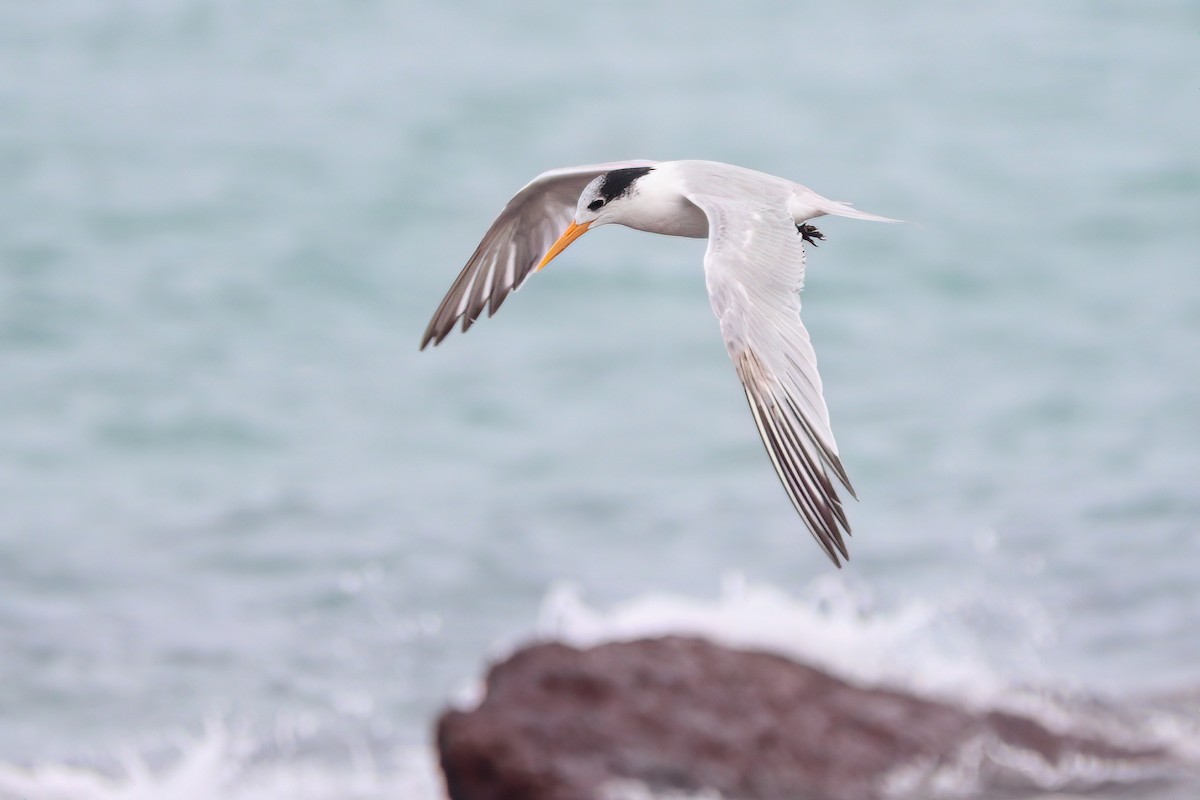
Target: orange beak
{"points": [[573, 232]]}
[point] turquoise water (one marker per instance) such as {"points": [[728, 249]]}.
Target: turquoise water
{"points": [[246, 529]]}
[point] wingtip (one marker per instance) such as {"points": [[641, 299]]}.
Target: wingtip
{"points": [[845, 559], [834, 557], [434, 336]]}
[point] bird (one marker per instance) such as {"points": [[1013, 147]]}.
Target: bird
{"points": [[757, 227]]}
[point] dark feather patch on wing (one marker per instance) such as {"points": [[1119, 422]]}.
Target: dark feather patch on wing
{"points": [[790, 445]]}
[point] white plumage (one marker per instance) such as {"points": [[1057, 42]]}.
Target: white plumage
{"points": [[754, 269]]}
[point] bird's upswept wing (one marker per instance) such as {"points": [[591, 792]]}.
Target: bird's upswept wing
{"points": [[754, 268], [514, 245]]}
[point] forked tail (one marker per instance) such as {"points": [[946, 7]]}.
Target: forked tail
{"points": [[806, 204]]}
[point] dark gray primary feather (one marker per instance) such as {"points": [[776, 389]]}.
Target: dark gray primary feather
{"points": [[801, 471]]}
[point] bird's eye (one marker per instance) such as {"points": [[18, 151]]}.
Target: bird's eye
{"points": [[595, 204]]}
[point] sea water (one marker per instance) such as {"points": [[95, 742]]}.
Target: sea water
{"points": [[252, 541]]}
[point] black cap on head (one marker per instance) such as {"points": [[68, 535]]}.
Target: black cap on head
{"points": [[617, 182]]}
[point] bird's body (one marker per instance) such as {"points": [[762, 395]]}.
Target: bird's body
{"points": [[754, 269]]}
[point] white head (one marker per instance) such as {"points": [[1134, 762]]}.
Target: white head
{"points": [[606, 192], [599, 204]]}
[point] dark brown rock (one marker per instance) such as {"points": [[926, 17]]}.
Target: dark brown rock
{"points": [[557, 723]]}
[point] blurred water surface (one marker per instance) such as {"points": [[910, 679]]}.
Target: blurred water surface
{"points": [[232, 490]]}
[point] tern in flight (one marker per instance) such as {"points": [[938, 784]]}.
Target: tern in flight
{"points": [[756, 225]]}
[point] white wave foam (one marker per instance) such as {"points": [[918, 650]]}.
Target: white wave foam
{"points": [[985, 761], [914, 645], [224, 764]]}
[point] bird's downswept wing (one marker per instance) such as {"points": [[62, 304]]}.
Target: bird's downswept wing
{"points": [[754, 268], [514, 244]]}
